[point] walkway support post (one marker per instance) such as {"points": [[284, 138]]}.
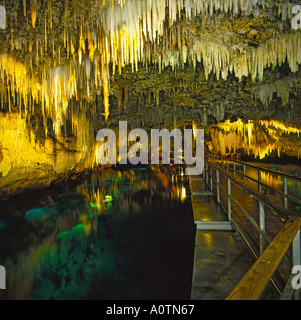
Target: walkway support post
{"points": [[261, 226], [296, 258], [259, 181], [285, 191], [211, 179], [229, 201], [218, 187]]}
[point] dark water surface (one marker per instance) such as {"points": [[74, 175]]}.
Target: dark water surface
{"points": [[122, 234]]}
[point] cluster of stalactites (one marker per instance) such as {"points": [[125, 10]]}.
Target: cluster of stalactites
{"points": [[64, 82], [221, 59], [130, 32], [282, 88], [150, 15], [255, 138]]}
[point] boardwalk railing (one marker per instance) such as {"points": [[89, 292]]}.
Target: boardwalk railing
{"points": [[271, 249], [232, 165], [254, 282]]}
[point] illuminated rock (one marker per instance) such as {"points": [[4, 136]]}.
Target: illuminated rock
{"points": [[129, 33], [257, 138]]}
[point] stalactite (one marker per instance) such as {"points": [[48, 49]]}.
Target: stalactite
{"points": [[24, 8], [33, 10]]}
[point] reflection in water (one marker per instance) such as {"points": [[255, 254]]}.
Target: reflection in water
{"points": [[277, 182], [258, 138], [208, 239], [114, 236]]}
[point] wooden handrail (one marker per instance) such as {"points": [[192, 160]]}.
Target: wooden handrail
{"points": [[254, 282]]}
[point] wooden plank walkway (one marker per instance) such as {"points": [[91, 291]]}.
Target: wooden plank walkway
{"points": [[221, 257], [273, 224]]}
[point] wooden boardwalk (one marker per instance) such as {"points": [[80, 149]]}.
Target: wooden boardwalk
{"points": [[221, 257], [223, 204]]}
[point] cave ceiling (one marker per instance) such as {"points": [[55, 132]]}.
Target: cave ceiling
{"points": [[150, 61]]}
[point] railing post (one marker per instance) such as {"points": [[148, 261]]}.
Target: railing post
{"points": [[259, 181], [229, 201], [261, 226], [227, 164], [234, 168], [285, 193], [296, 258], [211, 179], [207, 174], [244, 173], [218, 187]]}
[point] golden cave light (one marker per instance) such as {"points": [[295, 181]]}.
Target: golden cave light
{"points": [[100, 38], [258, 138]]}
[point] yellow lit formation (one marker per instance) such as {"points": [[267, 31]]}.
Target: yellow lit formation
{"points": [[258, 138], [125, 33]]}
